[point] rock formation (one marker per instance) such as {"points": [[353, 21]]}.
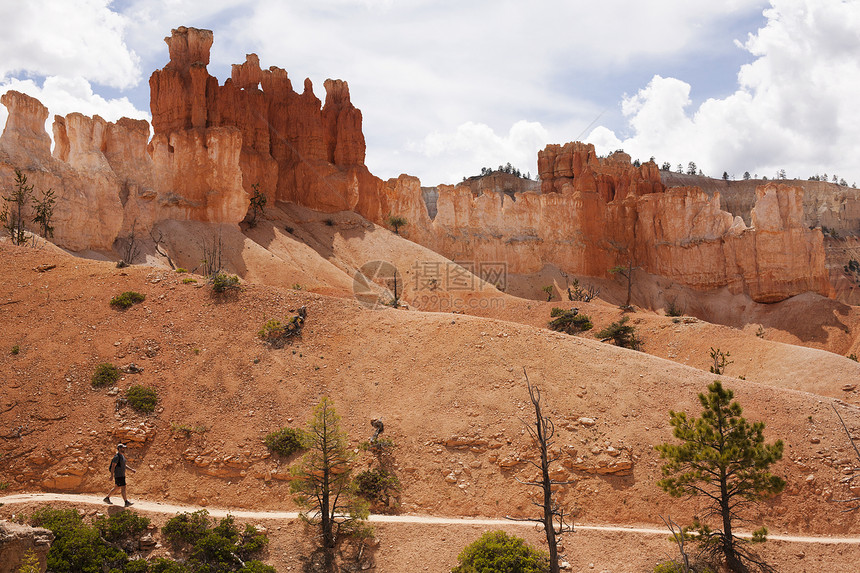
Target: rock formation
{"points": [[289, 144], [594, 213], [16, 541], [212, 143]]}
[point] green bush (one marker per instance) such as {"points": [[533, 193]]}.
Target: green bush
{"points": [[77, 547], [285, 441], [188, 281], [106, 374], [276, 333], [138, 565], [621, 334], [214, 549], [498, 551], [122, 526], [672, 308], [142, 398], [127, 299], [569, 321], [222, 282], [376, 485], [16, 350], [181, 270], [186, 528], [30, 563], [674, 567], [853, 357]]}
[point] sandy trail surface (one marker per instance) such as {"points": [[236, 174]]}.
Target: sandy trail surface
{"points": [[158, 507]]}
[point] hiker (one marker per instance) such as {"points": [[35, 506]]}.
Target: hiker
{"points": [[118, 466]]}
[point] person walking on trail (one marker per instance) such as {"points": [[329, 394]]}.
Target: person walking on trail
{"points": [[118, 466]]}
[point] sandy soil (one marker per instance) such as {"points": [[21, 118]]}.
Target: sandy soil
{"points": [[449, 387]]}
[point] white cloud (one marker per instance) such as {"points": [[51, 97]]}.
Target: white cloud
{"points": [[81, 38], [474, 145], [794, 106], [418, 67], [63, 96]]}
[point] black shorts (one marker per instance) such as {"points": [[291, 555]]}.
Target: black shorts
{"points": [[119, 480]]}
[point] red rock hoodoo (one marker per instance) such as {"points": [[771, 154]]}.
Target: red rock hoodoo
{"points": [[211, 143]]}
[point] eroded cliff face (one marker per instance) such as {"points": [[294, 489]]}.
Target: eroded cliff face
{"points": [[595, 213], [212, 143], [292, 146], [88, 213]]}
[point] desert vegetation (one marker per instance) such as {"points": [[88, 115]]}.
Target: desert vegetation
{"points": [[569, 321], [498, 551], [105, 374], [127, 299], [725, 459], [621, 334]]}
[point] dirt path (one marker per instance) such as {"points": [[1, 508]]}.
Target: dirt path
{"points": [[158, 507]]}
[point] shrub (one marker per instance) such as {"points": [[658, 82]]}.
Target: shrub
{"points": [[222, 282], [16, 350], [672, 308], [575, 292], [188, 281], [257, 206], [105, 375], [276, 333], [141, 398], [376, 485], [77, 547], [186, 528], [127, 299], [570, 321], [163, 565], [181, 270], [255, 566], [621, 334], [121, 526], [30, 563], [219, 548], [285, 441], [720, 359], [186, 429], [498, 551], [329, 222], [853, 357]]}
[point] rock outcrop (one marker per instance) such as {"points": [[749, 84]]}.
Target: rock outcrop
{"points": [[595, 213], [289, 144], [18, 541], [212, 144], [88, 213]]}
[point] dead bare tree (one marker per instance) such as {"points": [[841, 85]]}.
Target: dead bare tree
{"points": [[157, 237], [856, 499], [542, 431], [130, 249], [212, 250], [679, 536]]}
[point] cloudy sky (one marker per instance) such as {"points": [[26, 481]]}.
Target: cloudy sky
{"points": [[449, 86]]}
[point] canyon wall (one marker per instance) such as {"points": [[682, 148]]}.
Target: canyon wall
{"points": [[212, 144], [595, 213]]}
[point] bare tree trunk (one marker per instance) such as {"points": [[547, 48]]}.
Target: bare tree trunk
{"points": [[543, 426]]}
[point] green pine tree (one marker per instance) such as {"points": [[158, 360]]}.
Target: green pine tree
{"points": [[724, 458]]}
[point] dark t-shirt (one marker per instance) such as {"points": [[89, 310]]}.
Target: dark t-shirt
{"points": [[118, 463]]}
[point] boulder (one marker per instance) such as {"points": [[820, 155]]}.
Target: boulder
{"points": [[17, 541]]}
